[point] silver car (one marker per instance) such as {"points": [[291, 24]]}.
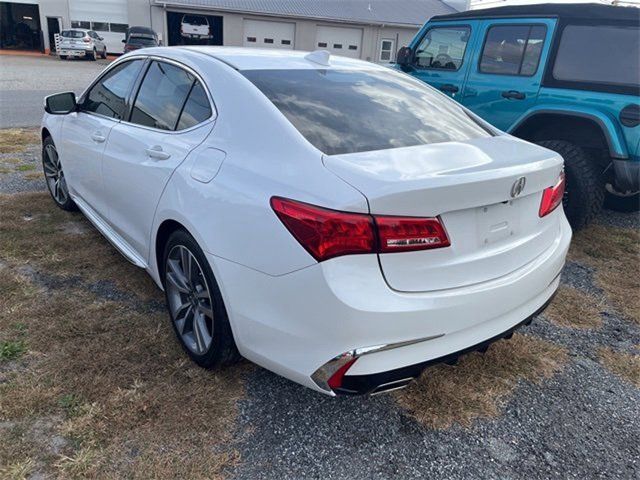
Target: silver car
{"points": [[81, 43]]}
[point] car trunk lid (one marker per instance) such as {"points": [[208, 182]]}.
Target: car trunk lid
{"points": [[469, 186]]}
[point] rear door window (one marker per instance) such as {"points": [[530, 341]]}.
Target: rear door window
{"points": [[603, 54], [442, 48], [161, 96], [512, 49], [197, 108], [108, 96]]}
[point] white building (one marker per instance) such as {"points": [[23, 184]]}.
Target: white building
{"points": [[368, 29]]}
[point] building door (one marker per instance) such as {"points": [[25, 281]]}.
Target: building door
{"points": [[267, 34], [53, 27], [340, 40], [20, 26]]}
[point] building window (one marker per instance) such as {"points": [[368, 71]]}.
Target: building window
{"points": [[268, 40], [118, 27], [386, 50], [100, 26], [251, 39], [353, 47], [286, 42], [80, 24], [322, 44], [337, 45]]}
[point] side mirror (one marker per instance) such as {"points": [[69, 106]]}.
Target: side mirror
{"points": [[405, 57], [100, 38], [124, 41], [60, 103]]}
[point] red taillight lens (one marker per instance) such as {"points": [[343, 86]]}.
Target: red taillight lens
{"points": [[552, 197], [405, 234], [328, 233], [86, 39]]}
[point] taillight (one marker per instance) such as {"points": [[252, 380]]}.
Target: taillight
{"points": [[86, 39], [552, 197], [404, 234], [326, 233]]}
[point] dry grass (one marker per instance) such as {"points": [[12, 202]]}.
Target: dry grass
{"points": [[625, 365], [478, 386], [614, 253], [103, 389], [17, 139], [36, 233], [574, 308]]}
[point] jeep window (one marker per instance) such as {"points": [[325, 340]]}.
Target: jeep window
{"points": [[602, 54], [347, 111], [443, 48], [513, 49]]}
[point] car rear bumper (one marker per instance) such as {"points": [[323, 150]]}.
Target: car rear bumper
{"points": [[296, 323], [75, 51]]}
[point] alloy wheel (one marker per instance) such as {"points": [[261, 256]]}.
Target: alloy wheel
{"points": [[189, 300], [54, 175]]}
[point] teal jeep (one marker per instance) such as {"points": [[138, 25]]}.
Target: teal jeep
{"points": [[564, 76]]}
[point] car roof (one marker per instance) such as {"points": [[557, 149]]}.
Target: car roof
{"points": [[566, 11], [272, 59]]}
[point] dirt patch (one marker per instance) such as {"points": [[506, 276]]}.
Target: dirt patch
{"points": [[17, 139], [625, 365], [614, 253], [104, 385], [575, 309], [479, 384]]}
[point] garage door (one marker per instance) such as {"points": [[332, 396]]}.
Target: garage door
{"points": [[265, 34], [340, 41]]}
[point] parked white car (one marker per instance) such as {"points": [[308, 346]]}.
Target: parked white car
{"points": [[195, 26], [81, 43], [337, 222]]}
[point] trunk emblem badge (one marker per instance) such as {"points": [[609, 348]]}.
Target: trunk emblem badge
{"points": [[518, 187]]}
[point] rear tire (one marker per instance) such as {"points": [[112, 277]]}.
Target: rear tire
{"points": [[93, 55], [104, 53], [199, 293], [584, 194], [63, 57]]}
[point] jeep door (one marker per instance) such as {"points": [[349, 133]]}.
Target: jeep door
{"points": [[442, 54], [506, 69]]}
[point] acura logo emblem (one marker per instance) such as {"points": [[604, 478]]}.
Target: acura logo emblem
{"points": [[518, 187]]}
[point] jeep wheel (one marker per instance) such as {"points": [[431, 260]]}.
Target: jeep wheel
{"points": [[621, 202], [584, 192]]}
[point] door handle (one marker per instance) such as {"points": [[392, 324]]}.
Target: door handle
{"points": [[157, 153], [513, 95], [98, 137], [449, 88]]}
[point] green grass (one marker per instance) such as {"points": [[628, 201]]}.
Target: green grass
{"points": [[10, 350], [25, 168]]}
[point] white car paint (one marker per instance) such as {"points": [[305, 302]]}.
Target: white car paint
{"points": [[81, 47], [288, 312], [195, 26]]}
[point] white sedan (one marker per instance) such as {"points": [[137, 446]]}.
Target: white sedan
{"points": [[337, 222]]}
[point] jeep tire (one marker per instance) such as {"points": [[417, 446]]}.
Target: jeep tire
{"points": [[584, 192]]}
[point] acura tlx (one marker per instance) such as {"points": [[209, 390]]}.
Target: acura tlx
{"points": [[337, 222]]}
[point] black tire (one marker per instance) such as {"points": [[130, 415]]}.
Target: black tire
{"points": [[63, 57], [104, 53], [93, 55], [222, 350], [68, 204], [622, 203], [584, 195]]}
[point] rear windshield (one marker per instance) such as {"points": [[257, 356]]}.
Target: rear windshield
{"points": [[141, 41], [73, 34], [347, 111], [599, 55], [194, 20]]}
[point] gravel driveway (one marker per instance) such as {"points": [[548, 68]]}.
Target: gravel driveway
{"points": [[583, 422]]}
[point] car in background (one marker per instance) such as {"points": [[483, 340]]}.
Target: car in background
{"points": [[195, 27], [565, 76], [140, 37], [370, 228], [77, 43]]}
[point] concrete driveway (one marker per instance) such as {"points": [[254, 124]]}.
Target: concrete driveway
{"points": [[26, 80]]}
